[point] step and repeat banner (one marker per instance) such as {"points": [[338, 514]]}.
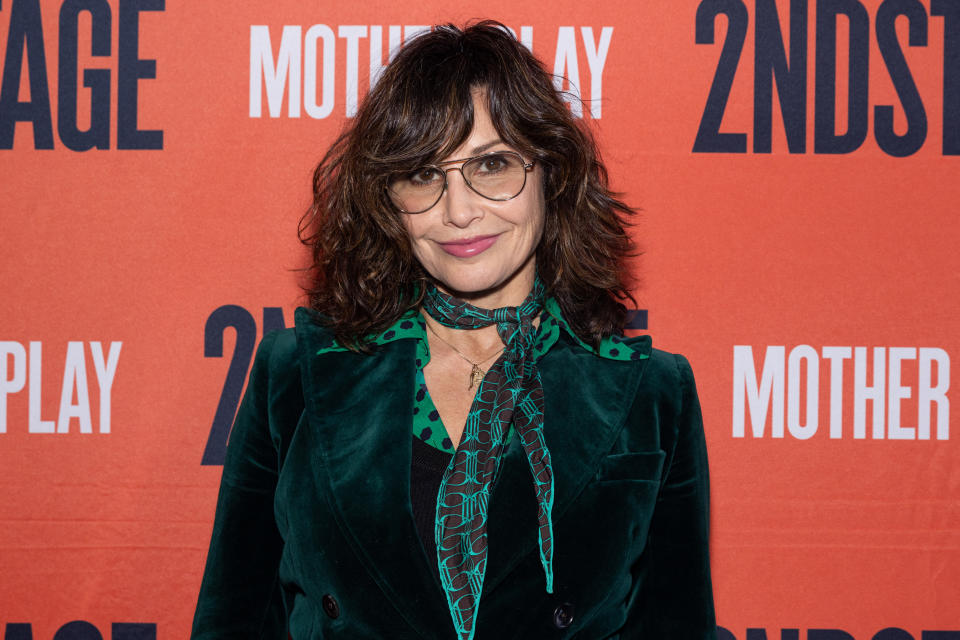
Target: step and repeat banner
{"points": [[795, 169]]}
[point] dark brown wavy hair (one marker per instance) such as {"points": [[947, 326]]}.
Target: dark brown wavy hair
{"points": [[364, 275]]}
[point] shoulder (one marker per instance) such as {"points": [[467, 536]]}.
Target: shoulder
{"points": [[668, 373], [281, 349], [280, 353], [667, 383], [276, 358], [275, 380], [663, 405], [661, 373], [274, 399]]}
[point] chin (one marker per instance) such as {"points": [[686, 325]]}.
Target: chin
{"points": [[483, 278], [469, 284]]}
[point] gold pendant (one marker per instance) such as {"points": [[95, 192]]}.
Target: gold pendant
{"points": [[476, 376]]}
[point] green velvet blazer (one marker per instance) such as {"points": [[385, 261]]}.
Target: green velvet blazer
{"points": [[314, 534]]}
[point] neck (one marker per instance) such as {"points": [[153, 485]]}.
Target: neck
{"points": [[474, 344]]}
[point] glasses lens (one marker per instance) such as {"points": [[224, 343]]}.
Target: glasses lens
{"points": [[498, 176], [416, 191]]}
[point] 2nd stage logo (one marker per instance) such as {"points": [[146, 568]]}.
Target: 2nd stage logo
{"points": [[773, 65], [25, 43]]}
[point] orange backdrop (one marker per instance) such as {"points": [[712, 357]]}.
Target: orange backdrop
{"points": [[800, 250]]}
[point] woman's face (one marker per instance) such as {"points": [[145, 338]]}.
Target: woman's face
{"points": [[478, 249]]}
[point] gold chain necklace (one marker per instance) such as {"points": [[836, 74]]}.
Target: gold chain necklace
{"points": [[476, 373]]}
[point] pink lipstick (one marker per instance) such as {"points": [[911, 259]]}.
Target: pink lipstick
{"points": [[468, 246]]}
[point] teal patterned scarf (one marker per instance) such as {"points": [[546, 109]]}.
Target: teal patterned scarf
{"points": [[510, 391]]}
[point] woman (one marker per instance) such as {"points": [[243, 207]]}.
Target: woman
{"points": [[456, 441]]}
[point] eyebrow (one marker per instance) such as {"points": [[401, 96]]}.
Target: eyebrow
{"points": [[485, 146]]}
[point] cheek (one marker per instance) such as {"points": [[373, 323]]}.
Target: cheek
{"points": [[409, 225], [537, 219], [414, 228], [541, 220], [539, 209]]}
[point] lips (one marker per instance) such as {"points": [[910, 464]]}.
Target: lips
{"points": [[469, 246]]}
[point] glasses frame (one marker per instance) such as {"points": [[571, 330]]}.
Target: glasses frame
{"points": [[527, 166]]}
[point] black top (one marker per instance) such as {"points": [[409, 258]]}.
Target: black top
{"points": [[426, 473]]}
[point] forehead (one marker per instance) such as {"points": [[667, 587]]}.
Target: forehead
{"points": [[483, 134]]}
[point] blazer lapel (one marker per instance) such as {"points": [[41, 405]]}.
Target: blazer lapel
{"points": [[360, 410]]}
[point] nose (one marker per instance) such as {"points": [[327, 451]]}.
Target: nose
{"points": [[460, 204]]}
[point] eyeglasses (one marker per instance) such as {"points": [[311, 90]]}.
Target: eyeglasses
{"points": [[500, 175]]}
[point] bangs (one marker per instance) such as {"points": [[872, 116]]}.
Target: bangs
{"points": [[421, 108], [426, 114]]}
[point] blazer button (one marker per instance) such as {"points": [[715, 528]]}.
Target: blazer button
{"points": [[330, 606], [563, 616]]}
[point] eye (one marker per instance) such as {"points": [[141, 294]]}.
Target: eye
{"points": [[425, 176], [495, 163]]}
